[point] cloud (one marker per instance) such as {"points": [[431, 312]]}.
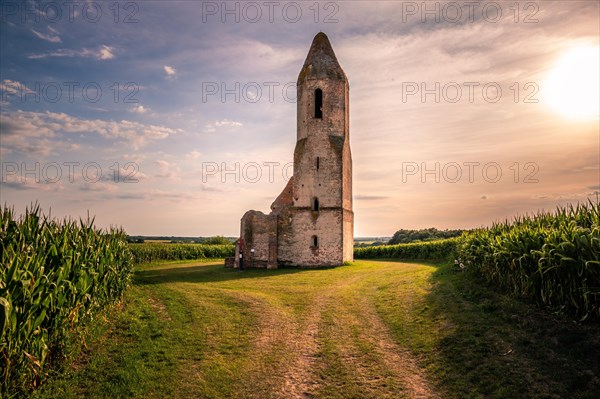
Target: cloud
{"points": [[167, 170], [99, 186], [212, 127], [162, 164], [25, 134], [48, 37], [20, 181], [11, 87], [139, 109], [170, 71], [105, 53], [128, 173], [102, 53], [37, 133], [152, 195], [369, 197], [193, 154]]}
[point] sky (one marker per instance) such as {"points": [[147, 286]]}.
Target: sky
{"points": [[176, 117]]}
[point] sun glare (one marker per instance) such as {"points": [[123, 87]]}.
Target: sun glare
{"points": [[572, 87]]}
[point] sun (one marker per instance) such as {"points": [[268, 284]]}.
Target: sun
{"points": [[572, 87]]}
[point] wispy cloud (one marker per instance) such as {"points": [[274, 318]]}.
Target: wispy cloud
{"points": [[154, 195], [99, 186], [37, 133], [104, 52], [11, 87], [213, 126], [369, 197], [52, 37], [128, 172], [23, 182]]}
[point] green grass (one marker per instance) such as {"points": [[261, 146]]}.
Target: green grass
{"points": [[375, 329]]}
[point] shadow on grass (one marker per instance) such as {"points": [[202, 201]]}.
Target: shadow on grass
{"points": [[495, 346], [205, 273]]}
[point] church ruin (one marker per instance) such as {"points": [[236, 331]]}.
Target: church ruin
{"points": [[311, 222]]}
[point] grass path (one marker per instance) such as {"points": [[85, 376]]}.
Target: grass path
{"points": [[375, 329]]}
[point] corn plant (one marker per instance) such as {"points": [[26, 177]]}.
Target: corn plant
{"points": [[552, 258], [54, 276], [431, 250], [152, 252]]}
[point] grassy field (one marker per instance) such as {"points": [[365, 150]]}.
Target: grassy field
{"points": [[375, 329]]}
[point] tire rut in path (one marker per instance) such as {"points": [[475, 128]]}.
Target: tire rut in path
{"points": [[299, 380], [393, 360], [397, 360], [272, 334]]}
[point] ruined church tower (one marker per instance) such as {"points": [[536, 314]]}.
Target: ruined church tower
{"points": [[311, 222]]}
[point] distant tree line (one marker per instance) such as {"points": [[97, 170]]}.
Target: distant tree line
{"points": [[359, 244], [215, 240], [404, 236]]}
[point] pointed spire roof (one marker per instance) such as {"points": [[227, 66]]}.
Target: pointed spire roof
{"points": [[321, 62]]}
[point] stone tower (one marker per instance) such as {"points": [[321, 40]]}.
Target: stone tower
{"points": [[311, 222]]}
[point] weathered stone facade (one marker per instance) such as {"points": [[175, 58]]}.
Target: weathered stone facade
{"points": [[311, 222]]}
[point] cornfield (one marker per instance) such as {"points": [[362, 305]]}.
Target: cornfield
{"points": [[54, 276], [551, 258], [430, 250], [152, 252]]}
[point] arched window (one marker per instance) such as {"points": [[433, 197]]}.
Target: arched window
{"points": [[319, 103], [315, 204], [315, 242]]}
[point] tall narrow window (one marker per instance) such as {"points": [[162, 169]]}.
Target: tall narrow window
{"points": [[319, 103], [315, 204], [318, 162], [315, 242]]}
